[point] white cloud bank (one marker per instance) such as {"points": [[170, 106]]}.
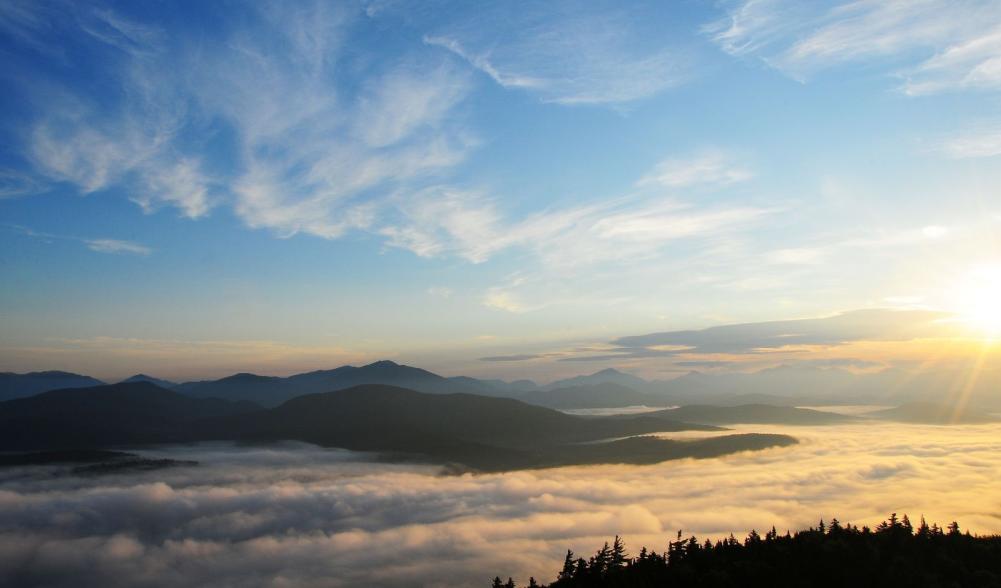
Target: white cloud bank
{"points": [[305, 517]]}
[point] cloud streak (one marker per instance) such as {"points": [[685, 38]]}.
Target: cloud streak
{"points": [[858, 325], [562, 55], [632, 227], [933, 45], [117, 246], [103, 245]]}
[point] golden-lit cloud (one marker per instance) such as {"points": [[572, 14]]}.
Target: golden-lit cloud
{"points": [[310, 517]]}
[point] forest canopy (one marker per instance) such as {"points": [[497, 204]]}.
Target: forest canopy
{"points": [[894, 553]]}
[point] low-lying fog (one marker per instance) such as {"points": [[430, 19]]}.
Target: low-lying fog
{"points": [[297, 515]]}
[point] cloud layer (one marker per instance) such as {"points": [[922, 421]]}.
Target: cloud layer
{"points": [[300, 516], [858, 325]]}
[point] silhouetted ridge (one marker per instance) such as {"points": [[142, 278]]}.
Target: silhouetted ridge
{"points": [[376, 411], [895, 553], [752, 414], [934, 414], [477, 431], [23, 385], [147, 378], [603, 395], [136, 412]]}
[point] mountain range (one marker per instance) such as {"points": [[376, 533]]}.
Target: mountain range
{"points": [[787, 385], [20, 385], [478, 432]]}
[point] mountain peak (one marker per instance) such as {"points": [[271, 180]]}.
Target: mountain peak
{"points": [[382, 363], [148, 378], [609, 372], [140, 378]]}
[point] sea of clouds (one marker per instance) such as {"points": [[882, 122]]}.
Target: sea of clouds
{"points": [[297, 515]]}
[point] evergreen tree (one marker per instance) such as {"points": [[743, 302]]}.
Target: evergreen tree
{"points": [[835, 526], [601, 561], [568, 567], [844, 555], [618, 557], [923, 530]]}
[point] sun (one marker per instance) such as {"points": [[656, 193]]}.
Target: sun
{"points": [[978, 299]]}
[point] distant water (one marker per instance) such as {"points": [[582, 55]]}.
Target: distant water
{"points": [[637, 409]]}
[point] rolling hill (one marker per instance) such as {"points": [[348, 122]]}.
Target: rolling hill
{"points": [[23, 385], [116, 414], [758, 414], [480, 432], [604, 395]]}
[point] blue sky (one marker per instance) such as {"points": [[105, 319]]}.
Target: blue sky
{"points": [[192, 190]]}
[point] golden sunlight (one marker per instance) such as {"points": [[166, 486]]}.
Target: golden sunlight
{"points": [[978, 299]]}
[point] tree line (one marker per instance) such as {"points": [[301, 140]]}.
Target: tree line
{"points": [[894, 553]]}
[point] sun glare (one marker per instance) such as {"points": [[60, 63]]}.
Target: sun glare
{"points": [[979, 299]]}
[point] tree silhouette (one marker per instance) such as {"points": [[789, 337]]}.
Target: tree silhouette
{"points": [[832, 555]]}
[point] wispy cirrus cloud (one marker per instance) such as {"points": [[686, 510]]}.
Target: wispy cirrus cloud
{"points": [[14, 183], [633, 227], [102, 245], [934, 45], [312, 153], [564, 55], [116, 246], [712, 168], [974, 143]]}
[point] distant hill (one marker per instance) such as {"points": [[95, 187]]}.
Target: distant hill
{"points": [[493, 387], [933, 414], [116, 414], [784, 385], [482, 432], [475, 431], [263, 390], [270, 391], [606, 376], [382, 412], [751, 414], [606, 395], [144, 378], [22, 385]]}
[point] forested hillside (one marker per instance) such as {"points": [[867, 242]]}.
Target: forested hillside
{"points": [[895, 553]]}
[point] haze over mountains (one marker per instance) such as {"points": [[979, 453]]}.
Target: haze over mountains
{"points": [[20, 385], [402, 410], [787, 385]]}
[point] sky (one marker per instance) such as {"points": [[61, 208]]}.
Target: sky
{"points": [[518, 189]]}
